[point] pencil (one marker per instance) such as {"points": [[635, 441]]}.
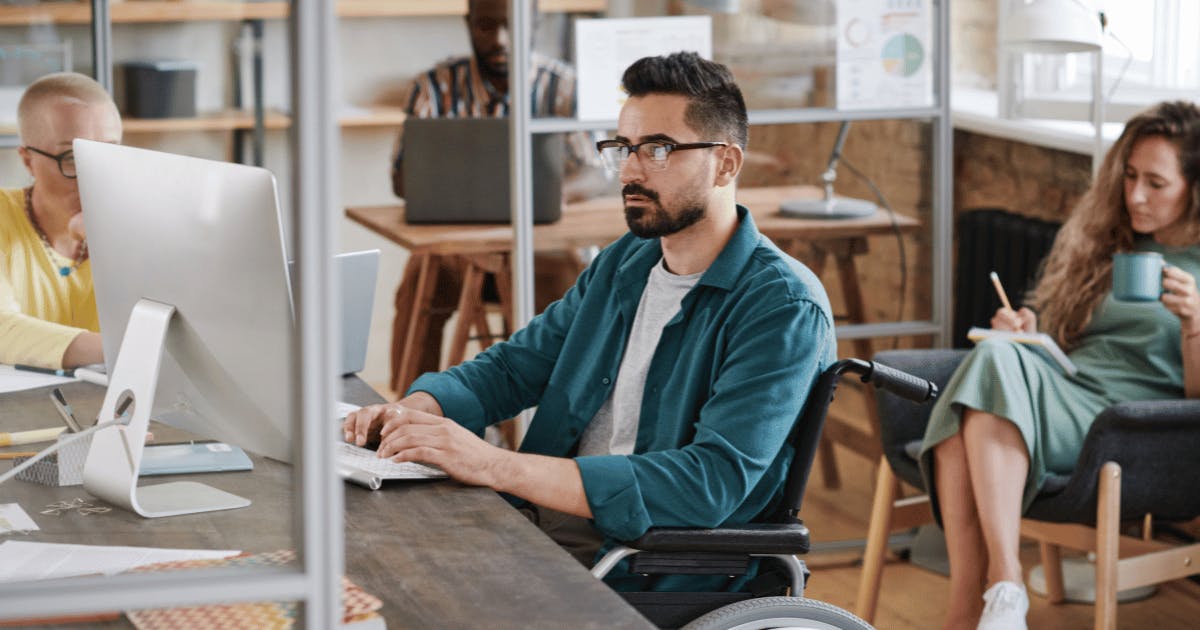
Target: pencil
{"points": [[42, 370], [28, 437], [1000, 291], [17, 454]]}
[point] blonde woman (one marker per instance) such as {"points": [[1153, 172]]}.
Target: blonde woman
{"points": [[47, 302], [1009, 417]]}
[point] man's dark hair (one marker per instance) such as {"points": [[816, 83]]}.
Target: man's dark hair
{"points": [[715, 103]]}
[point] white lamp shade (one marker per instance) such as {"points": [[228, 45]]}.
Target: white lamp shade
{"points": [[1053, 26]]}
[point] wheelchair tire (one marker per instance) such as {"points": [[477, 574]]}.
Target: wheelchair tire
{"points": [[778, 612]]}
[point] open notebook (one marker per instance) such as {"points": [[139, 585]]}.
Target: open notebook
{"points": [[1038, 339], [361, 466]]}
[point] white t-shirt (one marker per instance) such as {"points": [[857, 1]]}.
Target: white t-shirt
{"points": [[613, 431]]}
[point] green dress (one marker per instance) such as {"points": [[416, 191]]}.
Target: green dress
{"points": [[1129, 351]]}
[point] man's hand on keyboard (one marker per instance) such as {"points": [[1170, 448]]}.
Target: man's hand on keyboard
{"points": [[412, 435], [362, 426]]}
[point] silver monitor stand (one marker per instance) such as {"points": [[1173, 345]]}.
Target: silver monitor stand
{"points": [[114, 459]]}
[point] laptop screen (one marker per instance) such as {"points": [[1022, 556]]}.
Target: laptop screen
{"points": [[456, 170]]}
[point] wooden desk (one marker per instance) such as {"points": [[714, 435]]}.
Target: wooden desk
{"points": [[599, 222], [439, 554]]}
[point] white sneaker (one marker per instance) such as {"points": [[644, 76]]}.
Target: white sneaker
{"points": [[1007, 603]]}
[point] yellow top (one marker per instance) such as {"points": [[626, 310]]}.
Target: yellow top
{"points": [[41, 311]]}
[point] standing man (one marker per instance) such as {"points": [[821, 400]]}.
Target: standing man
{"points": [[668, 378], [47, 302]]}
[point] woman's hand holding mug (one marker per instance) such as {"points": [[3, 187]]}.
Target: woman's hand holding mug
{"points": [[1180, 296]]}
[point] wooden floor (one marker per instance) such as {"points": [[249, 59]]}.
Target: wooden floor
{"points": [[913, 597]]}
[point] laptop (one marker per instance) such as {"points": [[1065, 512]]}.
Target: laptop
{"points": [[357, 272], [456, 170]]}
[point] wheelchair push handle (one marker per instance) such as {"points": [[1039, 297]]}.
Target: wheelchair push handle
{"points": [[896, 381]]}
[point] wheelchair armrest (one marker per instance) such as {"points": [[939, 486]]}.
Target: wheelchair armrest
{"points": [[752, 538]]}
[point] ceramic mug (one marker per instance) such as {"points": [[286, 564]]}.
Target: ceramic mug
{"points": [[1137, 277]]}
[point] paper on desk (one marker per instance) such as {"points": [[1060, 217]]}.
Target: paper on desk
{"points": [[23, 561], [15, 519], [13, 380]]}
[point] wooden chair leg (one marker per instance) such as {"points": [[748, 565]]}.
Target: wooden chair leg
{"points": [[1052, 570], [887, 488], [483, 331], [418, 324], [508, 431], [829, 470], [1108, 526], [470, 302]]}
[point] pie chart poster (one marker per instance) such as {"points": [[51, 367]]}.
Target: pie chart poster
{"points": [[884, 56]]}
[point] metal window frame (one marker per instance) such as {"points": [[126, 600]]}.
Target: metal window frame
{"points": [[317, 491]]}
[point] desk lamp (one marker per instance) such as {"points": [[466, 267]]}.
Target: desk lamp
{"points": [[829, 207], [1061, 27]]}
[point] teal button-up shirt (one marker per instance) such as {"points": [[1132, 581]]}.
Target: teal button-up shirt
{"points": [[727, 382]]}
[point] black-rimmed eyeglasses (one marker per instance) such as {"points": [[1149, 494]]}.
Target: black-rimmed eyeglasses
{"points": [[613, 153], [66, 160]]}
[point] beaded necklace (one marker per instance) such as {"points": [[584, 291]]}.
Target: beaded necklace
{"points": [[80, 256]]}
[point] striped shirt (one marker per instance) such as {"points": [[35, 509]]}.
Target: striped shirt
{"points": [[455, 88]]}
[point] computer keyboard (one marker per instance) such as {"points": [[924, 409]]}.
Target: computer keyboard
{"points": [[349, 455]]}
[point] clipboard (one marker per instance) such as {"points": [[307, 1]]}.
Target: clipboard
{"points": [[194, 457]]}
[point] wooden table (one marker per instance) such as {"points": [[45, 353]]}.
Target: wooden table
{"points": [[439, 554], [596, 222]]}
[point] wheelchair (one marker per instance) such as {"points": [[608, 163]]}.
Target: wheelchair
{"points": [[780, 538]]}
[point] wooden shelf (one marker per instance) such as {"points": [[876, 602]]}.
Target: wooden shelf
{"points": [[141, 12], [147, 11], [217, 121], [401, 8], [232, 120], [373, 117]]}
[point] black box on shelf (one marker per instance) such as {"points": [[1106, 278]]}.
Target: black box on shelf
{"points": [[164, 88]]}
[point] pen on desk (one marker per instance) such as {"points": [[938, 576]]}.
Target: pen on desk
{"points": [[64, 410], [16, 454], [42, 370], [29, 437], [1000, 291]]}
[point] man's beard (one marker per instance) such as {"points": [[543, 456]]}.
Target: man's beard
{"points": [[490, 68], [655, 221]]}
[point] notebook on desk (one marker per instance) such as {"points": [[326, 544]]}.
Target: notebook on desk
{"points": [[456, 170]]}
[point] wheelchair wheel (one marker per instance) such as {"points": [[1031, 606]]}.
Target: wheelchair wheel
{"points": [[778, 613]]}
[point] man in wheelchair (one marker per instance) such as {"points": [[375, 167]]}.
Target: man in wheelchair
{"points": [[668, 378]]}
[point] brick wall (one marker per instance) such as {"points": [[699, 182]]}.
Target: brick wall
{"points": [[988, 172], [895, 155], [1026, 179]]}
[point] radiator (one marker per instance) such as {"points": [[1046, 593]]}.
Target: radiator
{"points": [[990, 240]]}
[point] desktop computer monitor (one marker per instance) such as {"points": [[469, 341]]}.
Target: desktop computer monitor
{"points": [[205, 239]]}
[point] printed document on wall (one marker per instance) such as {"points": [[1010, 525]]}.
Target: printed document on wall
{"points": [[884, 54], [604, 48]]}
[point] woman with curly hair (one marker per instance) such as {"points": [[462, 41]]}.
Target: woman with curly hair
{"points": [[1009, 417]]}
